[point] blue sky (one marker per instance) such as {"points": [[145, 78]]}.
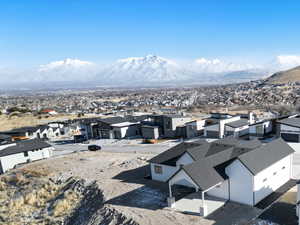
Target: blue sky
{"points": [[34, 32]]}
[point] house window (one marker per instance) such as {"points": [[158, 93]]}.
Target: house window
{"points": [[264, 180], [158, 169], [25, 154], [283, 167]]}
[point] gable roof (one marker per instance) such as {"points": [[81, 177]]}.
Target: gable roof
{"points": [[173, 153], [266, 155], [211, 159], [23, 146]]}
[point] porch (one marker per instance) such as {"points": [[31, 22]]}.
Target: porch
{"points": [[193, 203]]}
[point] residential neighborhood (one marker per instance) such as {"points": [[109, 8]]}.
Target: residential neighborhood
{"points": [[211, 162]]}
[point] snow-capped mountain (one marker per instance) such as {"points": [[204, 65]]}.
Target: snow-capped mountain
{"points": [[66, 64], [65, 70], [151, 68]]}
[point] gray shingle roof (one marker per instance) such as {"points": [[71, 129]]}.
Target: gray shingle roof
{"points": [[24, 146], [266, 155], [211, 159], [173, 153]]}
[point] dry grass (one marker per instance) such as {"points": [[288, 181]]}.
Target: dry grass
{"points": [[63, 206], [23, 120], [30, 192]]}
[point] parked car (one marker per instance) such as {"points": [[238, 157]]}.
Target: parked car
{"points": [[94, 147]]}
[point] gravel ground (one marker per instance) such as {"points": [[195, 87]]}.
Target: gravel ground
{"points": [[121, 177]]}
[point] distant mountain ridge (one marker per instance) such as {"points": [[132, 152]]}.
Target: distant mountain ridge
{"points": [[282, 77], [148, 71], [151, 68]]}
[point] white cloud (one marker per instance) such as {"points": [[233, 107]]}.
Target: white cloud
{"points": [[218, 66], [284, 62]]}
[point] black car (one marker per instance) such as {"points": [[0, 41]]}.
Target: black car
{"points": [[94, 147]]}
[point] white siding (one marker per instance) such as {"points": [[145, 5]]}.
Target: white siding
{"points": [[270, 179], [182, 178], [10, 161], [185, 159], [167, 172], [223, 122], [240, 183], [221, 191], [265, 127], [239, 131]]}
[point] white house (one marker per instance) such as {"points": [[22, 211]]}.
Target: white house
{"points": [[260, 128], [289, 129], [125, 129], [22, 152], [237, 170], [218, 130], [194, 128], [237, 128]]}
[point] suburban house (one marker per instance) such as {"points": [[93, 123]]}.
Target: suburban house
{"points": [[40, 131], [261, 128], [225, 125], [194, 128], [171, 123], [117, 127], [237, 128], [217, 130], [170, 126], [289, 129], [12, 154], [151, 132], [243, 171], [22, 133]]}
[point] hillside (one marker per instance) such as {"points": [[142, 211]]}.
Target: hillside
{"points": [[291, 75]]}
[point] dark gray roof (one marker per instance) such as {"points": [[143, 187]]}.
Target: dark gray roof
{"points": [[5, 137], [238, 123], [113, 120], [265, 155], [173, 153], [135, 119], [20, 130], [23, 146], [294, 122], [211, 159], [173, 116]]}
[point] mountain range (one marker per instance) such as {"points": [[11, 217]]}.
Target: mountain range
{"points": [[282, 77], [150, 70]]}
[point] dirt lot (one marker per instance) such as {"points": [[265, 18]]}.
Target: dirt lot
{"points": [[23, 120], [121, 178]]}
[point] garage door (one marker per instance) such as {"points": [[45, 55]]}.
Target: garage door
{"points": [[290, 137]]}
